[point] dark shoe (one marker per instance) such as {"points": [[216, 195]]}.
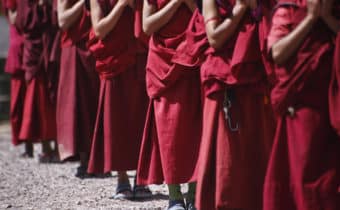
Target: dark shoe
{"points": [[123, 192], [190, 205], [81, 172], [141, 192], [49, 158], [26, 155], [176, 205]]}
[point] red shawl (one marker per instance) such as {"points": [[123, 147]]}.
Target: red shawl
{"points": [[32, 20], [242, 59], [79, 31], [309, 66], [161, 71], [334, 90], [117, 50]]}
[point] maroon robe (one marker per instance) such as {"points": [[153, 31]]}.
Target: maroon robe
{"points": [[172, 132], [78, 88], [38, 121], [122, 100], [303, 171], [234, 152], [14, 67], [334, 90]]}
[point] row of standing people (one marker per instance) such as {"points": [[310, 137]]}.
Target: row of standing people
{"points": [[240, 96]]}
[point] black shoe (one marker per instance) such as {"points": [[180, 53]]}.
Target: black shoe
{"points": [[190, 205], [82, 172]]}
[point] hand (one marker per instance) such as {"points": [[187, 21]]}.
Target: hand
{"points": [[326, 8], [130, 3], [313, 8], [242, 3]]}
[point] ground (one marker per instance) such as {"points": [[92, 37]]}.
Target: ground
{"points": [[26, 184]]}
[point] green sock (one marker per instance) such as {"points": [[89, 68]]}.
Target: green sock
{"points": [[191, 191], [175, 192]]}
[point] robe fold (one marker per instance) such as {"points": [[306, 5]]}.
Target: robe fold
{"points": [[334, 89], [172, 132], [122, 96], [38, 121], [234, 153], [303, 171], [78, 88]]}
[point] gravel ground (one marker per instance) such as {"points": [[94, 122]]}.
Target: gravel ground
{"points": [[26, 184]]}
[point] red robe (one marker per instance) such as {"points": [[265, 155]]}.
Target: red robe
{"points": [[303, 171], [232, 163], [14, 67], [122, 100], [78, 88], [334, 89], [38, 121], [173, 127]]}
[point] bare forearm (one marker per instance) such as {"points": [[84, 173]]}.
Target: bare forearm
{"points": [[219, 33], [68, 16], [153, 22], [103, 26], [288, 45]]}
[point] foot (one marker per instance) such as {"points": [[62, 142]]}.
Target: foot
{"points": [[141, 192], [26, 155], [81, 172], [123, 192], [190, 205], [176, 205]]}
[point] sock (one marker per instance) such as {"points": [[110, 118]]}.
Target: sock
{"points": [[191, 191], [175, 192]]}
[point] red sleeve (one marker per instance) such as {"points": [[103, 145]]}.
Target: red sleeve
{"points": [[282, 23], [11, 4]]}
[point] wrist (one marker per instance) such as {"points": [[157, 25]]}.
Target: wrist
{"points": [[239, 8]]}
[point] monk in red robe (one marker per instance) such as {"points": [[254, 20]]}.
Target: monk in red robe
{"points": [[14, 67], [172, 132], [78, 86], [303, 171], [238, 122], [123, 100], [38, 122]]}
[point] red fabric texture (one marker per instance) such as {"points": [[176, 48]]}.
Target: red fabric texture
{"points": [[334, 89], [232, 164], [172, 134], [119, 124], [77, 101], [10, 4], [122, 97], [15, 52], [38, 120], [173, 125], [18, 89], [239, 65], [79, 31], [303, 171], [115, 52]]}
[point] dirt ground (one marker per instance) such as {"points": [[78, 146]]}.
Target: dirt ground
{"points": [[26, 184]]}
